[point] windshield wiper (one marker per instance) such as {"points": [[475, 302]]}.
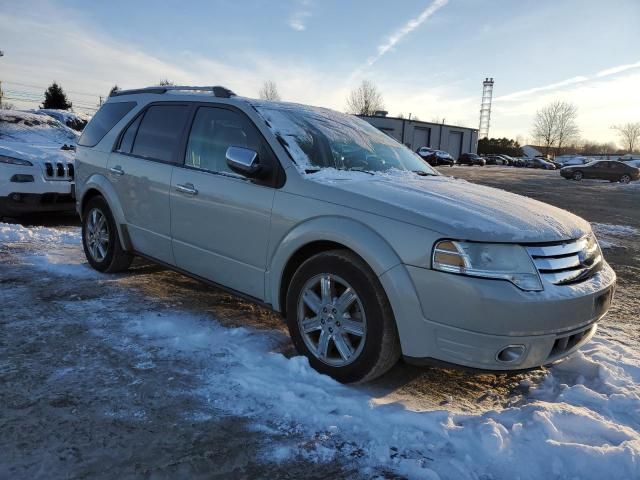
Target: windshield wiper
{"points": [[422, 173], [359, 170]]}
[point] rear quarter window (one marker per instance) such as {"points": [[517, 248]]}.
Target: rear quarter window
{"points": [[103, 121]]}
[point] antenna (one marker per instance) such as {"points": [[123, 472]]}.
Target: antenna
{"points": [[485, 108]]}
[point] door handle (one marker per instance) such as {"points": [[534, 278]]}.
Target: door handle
{"points": [[187, 188], [117, 170]]}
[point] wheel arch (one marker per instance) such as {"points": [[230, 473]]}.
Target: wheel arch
{"points": [[322, 234], [97, 185]]}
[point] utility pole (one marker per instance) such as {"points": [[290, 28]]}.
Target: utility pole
{"points": [[100, 102]]}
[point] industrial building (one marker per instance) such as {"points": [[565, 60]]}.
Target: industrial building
{"points": [[415, 134]]}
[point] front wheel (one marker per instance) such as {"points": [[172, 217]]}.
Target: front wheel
{"points": [[577, 176], [625, 178], [100, 238], [339, 317]]}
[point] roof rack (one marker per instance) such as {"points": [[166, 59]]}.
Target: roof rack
{"points": [[217, 90]]}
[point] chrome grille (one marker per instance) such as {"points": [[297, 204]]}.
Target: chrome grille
{"points": [[59, 171], [568, 262]]}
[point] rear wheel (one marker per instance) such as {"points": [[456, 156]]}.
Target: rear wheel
{"points": [[625, 178], [100, 238], [339, 317], [577, 175]]}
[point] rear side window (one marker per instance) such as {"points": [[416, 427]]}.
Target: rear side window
{"points": [[103, 121], [159, 133]]}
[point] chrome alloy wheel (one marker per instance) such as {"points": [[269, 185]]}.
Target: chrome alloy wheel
{"points": [[331, 320], [97, 235]]}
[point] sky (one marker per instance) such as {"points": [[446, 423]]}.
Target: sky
{"points": [[427, 57]]}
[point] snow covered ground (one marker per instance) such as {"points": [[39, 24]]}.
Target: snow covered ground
{"points": [[579, 419]]}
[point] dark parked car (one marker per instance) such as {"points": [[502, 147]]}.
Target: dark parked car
{"points": [[611, 170], [540, 163], [471, 159], [436, 157]]}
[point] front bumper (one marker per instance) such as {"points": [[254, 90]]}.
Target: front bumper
{"points": [[469, 321], [21, 203], [41, 194]]}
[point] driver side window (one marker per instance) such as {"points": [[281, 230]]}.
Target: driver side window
{"points": [[213, 131]]}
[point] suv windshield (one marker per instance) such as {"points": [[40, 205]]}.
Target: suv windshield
{"points": [[318, 138]]}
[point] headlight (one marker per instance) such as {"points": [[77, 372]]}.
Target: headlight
{"points": [[15, 161], [488, 260]]}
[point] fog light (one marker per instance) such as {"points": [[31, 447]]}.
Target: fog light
{"points": [[510, 354], [21, 178]]}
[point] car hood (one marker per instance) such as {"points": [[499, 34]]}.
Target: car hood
{"points": [[36, 153], [460, 209]]}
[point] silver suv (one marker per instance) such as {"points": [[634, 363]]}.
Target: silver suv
{"points": [[366, 250]]}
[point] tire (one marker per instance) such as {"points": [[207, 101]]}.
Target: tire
{"points": [[577, 176], [625, 178], [374, 346], [111, 258]]}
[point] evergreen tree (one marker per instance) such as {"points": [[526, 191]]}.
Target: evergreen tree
{"points": [[115, 89], [54, 97]]}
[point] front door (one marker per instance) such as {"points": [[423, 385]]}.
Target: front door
{"points": [[140, 169], [220, 220]]}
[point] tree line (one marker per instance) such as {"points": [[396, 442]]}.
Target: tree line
{"points": [[555, 129]]}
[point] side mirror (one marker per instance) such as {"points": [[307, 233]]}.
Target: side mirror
{"points": [[245, 162]]}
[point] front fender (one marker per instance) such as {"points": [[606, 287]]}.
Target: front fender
{"points": [[105, 188], [354, 235]]}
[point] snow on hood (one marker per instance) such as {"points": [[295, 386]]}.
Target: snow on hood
{"points": [[34, 137], [458, 208]]}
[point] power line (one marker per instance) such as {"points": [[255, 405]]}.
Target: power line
{"points": [[40, 87]]}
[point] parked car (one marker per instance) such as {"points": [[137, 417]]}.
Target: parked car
{"points": [[367, 251], [540, 163], [36, 164], [558, 165], [493, 159], [611, 170], [511, 160], [436, 157], [577, 160], [471, 159]]}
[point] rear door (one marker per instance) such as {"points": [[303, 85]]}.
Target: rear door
{"points": [[220, 220], [140, 169]]}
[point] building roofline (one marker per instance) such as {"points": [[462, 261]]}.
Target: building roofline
{"points": [[418, 121]]}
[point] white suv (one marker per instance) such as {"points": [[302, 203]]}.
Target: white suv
{"points": [[366, 250], [36, 164]]}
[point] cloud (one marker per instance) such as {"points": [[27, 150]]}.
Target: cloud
{"points": [[406, 29], [618, 69], [569, 82], [300, 15], [63, 46]]}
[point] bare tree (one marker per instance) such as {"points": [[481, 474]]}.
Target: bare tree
{"points": [[269, 91], [555, 125], [165, 82], [629, 134], [567, 127], [365, 100]]}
